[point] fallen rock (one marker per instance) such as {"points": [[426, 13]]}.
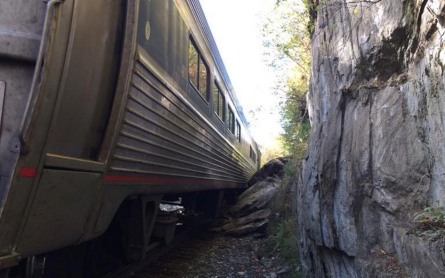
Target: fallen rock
{"points": [[214, 229], [260, 185], [258, 235], [283, 269], [253, 217], [273, 168], [249, 209], [254, 201], [252, 227]]}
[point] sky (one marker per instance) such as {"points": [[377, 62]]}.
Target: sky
{"points": [[236, 27]]}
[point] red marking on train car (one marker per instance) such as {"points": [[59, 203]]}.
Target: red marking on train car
{"points": [[154, 179], [28, 172]]}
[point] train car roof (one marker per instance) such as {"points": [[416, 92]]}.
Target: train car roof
{"points": [[199, 16]]}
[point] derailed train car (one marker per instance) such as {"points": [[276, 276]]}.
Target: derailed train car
{"points": [[107, 106]]}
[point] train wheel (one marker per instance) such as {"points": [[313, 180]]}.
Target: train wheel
{"points": [[35, 266]]}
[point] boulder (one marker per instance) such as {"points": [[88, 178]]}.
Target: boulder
{"points": [[273, 168], [259, 186], [248, 228], [253, 217], [255, 199]]}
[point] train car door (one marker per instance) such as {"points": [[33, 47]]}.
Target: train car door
{"points": [[72, 169]]}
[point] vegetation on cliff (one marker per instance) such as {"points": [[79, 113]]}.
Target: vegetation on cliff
{"points": [[287, 40]]}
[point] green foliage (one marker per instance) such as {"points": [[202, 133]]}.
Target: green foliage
{"points": [[272, 150], [294, 121], [291, 169], [283, 229], [285, 241], [286, 36], [429, 224], [287, 39], [286, 206]]}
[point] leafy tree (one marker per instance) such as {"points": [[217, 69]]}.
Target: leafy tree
{"points": [[294, 118], [286, 34], [272, 150]]}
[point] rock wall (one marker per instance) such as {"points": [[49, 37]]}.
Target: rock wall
{"points": [[377, 148]]}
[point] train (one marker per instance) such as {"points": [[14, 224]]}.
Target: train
{"points": [[107, 108]]}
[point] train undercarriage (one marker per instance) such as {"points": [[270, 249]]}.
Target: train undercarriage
{"points": [[138, 227]]}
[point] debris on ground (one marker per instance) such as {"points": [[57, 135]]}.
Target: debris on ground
{"points": [[236, 245], [250, 213], [216, 255]]}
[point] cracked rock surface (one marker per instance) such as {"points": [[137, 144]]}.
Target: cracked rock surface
{"points": [[376, 152]]}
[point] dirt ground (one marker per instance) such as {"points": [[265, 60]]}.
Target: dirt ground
{"points": [[216, 255]]}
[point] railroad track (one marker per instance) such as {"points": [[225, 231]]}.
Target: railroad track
{"points": [[178, 262], [162, 258]]}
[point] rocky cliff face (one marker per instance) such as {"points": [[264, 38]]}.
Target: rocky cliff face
{"points": [[377, 148]]}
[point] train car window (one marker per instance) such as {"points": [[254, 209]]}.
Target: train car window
{"points": [[193, 65], [198, 71], [252, 154], [203, 73], [231, 120], [218, 102], [238, 131]]}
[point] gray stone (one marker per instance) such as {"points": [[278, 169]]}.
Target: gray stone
{"points": [[420, 256], [259, 186], [283, 270], [273, 168], [259, 235], [253, 217], [376, 152], [214, 229], [255, 199], [248, 228]]}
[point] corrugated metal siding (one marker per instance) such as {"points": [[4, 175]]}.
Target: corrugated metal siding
{"points": [[162, 135]]}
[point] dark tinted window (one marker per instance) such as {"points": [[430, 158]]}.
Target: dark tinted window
{"points": [[252, 154], [198, 72], [231, 120], [218, 102], [193, 65], [203, 78], [238, 131]]}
